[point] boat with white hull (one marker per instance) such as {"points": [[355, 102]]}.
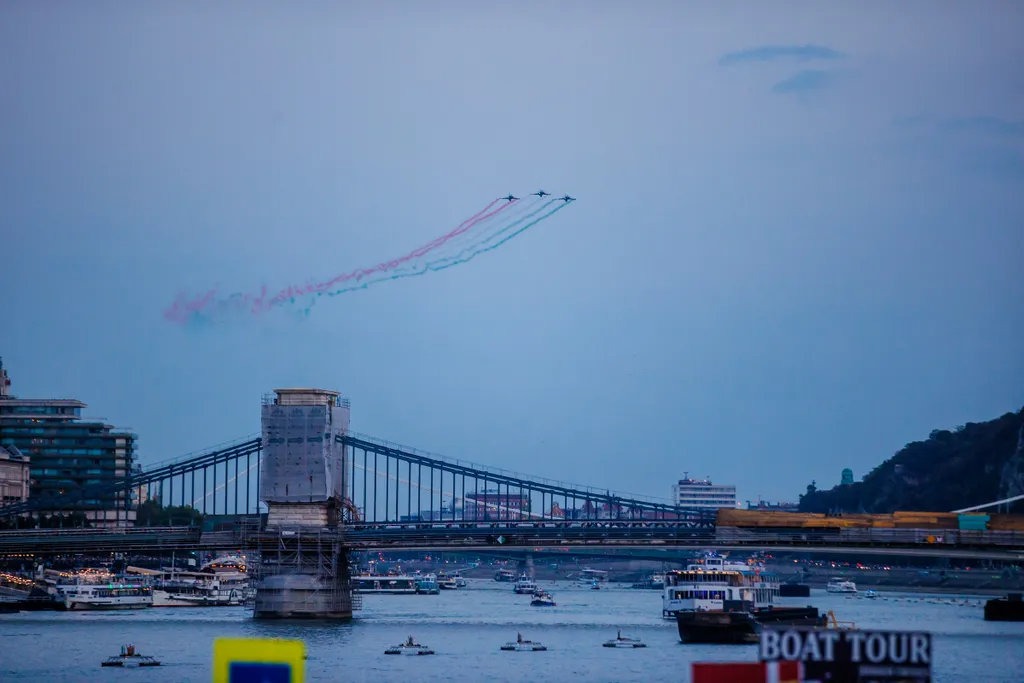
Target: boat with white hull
{"points": [[525, 585], [85, 596], [385, 584], [841, 586], [197, 595], [446, 581]]}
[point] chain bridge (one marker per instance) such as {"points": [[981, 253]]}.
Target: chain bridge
{"points": [[400, 498]]}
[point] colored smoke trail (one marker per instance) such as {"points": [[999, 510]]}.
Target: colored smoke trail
{"points": [[183, 309], [485, 230], [447, 262]]}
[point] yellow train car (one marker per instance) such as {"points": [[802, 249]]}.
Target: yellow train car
{"points": [[759, 519]]}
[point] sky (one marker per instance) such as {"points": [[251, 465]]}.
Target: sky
{"points": [[797, 243]]}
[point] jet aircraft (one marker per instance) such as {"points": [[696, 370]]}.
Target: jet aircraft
{"points": [[567, 198], [510, 198], [541, 193]]}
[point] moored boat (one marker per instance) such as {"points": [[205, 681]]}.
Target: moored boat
{"points": [[409, 647], [794, 590], [384, 584], [522, 645], [446, 581], [427, 585], [623, 641], [108, 596], [838, 585]]}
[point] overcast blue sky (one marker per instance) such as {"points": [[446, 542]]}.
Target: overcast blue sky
{"points": [[798, 242]]}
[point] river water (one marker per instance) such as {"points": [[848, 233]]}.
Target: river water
{"points": [[466, 629]]}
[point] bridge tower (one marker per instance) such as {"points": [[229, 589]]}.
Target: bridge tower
{"points": [[304, 569]]}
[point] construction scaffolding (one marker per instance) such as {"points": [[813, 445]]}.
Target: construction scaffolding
{"points": [[303, 574]]}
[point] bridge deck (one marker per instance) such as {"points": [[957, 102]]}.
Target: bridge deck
{"points": [[1007, 545]]}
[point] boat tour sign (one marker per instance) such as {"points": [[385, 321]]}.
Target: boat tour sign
{"points": [[852, 656]]}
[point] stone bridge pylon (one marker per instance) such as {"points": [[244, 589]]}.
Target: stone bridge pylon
{"points": [[304, 568]]}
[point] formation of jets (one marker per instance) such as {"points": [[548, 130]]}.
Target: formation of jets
{"points": [[538, 193]]}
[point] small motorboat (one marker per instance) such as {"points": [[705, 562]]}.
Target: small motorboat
{"points": [[543, 600], [870, 594], [595, 586], [521, 645], [129, 657], [409, 647], [623, 641]]}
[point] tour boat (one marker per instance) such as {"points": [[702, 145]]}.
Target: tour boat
{"points": [[446, 581], [521, 645], [525, 585], [718, 601], [201, 590], [505, 576], [623, 641], [93, 596], [841, 586], [129, 657], [409, 647], [384, 584]]}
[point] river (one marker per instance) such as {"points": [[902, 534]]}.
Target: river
{"points": [[466, 628]]}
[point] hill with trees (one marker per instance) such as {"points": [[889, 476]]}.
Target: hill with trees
{"points": [[973, 464]]}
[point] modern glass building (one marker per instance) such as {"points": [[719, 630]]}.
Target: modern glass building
{"points": [[66, 453]]}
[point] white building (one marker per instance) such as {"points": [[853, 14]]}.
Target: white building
{"points": [[702, 494]]}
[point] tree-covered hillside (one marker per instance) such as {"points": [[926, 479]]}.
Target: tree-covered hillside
{"points": [[973, 464]]}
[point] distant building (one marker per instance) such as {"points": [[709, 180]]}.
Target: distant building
{"points": [[847, 477], [765, 506], [702, 494], [13, 476], [64, 453], [491, 504]]}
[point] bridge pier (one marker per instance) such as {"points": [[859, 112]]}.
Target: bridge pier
{"points": [[303, 574], [304, 565]]}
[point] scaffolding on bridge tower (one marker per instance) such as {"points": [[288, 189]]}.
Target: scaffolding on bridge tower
{"points": [[304, 563]]}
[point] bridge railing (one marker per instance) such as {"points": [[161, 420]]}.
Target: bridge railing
{"points": [[199, 452], [512, 474], [115, 490], [411, 478]]}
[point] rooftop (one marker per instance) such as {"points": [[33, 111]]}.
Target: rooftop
{"points": [[299, 396], [43, 402]]}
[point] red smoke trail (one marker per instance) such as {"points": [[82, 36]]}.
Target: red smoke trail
{"points": [[184, 309], [291, 291]]}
